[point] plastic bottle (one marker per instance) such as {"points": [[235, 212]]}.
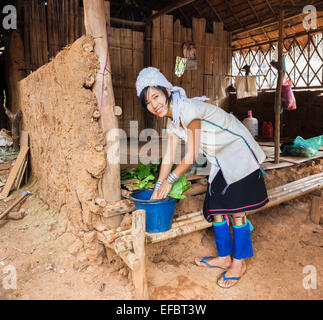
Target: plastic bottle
{"points": [[251, 124], [267, 129]]}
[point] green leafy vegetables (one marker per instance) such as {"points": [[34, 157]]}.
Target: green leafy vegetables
{"points": [[147, 174]]}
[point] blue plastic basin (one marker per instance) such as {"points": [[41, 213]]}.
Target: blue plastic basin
{"points": [[159, 213]]}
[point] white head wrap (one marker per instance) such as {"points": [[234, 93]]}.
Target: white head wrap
{"points": [[152, 77]]}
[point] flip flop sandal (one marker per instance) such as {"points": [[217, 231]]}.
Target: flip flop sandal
{"points": [[208, 265], [230, 278]]}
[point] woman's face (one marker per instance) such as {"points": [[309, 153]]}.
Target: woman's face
{"points": [[156, 102]]}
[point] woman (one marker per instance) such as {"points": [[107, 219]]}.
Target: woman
{"points": [[235, 183]]}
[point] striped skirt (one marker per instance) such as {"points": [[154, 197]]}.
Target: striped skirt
{"points": [[244, 195]]}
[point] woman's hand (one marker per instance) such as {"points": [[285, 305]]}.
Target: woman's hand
{"points": [[154, 195], [164, 190]]}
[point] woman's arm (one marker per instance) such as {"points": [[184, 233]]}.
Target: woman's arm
{"points": [[168, 160], [193, 145]]}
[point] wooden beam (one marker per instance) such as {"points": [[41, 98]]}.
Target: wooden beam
{"points": [[128, 22], [96, 26], [272, 10], [296, 35], [138, 233], [256, 14], [238, 20], [22, 197], [265, 24], [214, 10], [279, 86], [168, 9], [315, 212]]}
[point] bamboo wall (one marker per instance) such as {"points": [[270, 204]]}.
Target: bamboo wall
{"points": [[127, 59], [49, 28], [214, 56]]}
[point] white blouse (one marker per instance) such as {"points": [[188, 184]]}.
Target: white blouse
{"points": [[224, 140]]}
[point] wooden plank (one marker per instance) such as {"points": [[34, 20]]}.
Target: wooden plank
{"points": [[178, 51], [14, 171], [229, 65], [300, 159], [27, 36], [167, 47], [198, 33], [167, 54], [118, 208], [139, 269], [34, 35], [157, 60], [82, 26], [221, 48], [22, 173], [316, 212], [33, 53], [209, 49], [168, 9], [24, 139], [54, 28], [66, 21], [71, 21], [43, 20], [50, 40], [76, 20], [187, 76], [155, 54], [38, 25], [127, 78], [20, 199], [115, 54], [138, 64], [5, 166]]}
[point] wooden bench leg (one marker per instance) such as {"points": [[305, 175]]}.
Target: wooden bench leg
{"points": [[139, 268], [315, 212]]}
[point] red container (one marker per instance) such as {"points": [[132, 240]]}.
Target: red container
{"points": [[267, 129]]}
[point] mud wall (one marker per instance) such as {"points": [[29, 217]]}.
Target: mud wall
{"points": [[66, 143]]}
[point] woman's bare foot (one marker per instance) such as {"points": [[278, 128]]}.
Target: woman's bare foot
{"points": [[237, 269], [222, 262]]}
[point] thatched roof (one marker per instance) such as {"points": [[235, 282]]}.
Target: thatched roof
{"points": [[251, 22]]}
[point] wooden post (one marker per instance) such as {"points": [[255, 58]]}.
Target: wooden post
{"points": [[14, 119], [315, 212], [279, 86], [96, 26], [139, 268]]}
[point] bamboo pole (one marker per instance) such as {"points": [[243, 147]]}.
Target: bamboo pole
{"points": [[279, 86], [313, 178], [96, 26], [125, 243], [293, 190], [195, 217]]}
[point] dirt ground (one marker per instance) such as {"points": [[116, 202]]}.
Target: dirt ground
{"points": [[284, 241]]}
